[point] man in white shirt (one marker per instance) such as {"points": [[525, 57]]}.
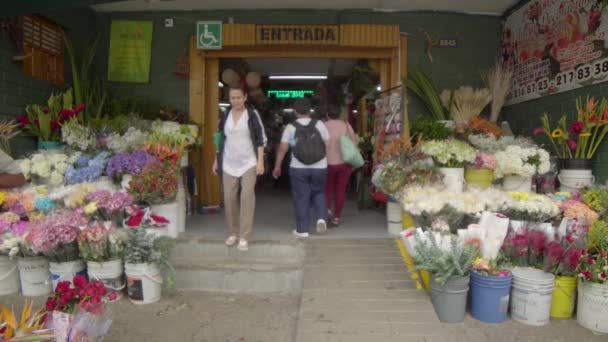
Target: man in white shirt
{"points": [[307, 139]]}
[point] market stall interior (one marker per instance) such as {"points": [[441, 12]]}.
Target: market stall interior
{"points": [[273, 85]]}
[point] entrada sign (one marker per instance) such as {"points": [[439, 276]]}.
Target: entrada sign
{"points": [[297, 34]]}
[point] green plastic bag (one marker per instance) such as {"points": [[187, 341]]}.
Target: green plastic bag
{"points": [[350, 152]]}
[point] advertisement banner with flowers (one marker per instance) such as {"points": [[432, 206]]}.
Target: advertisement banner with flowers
{"points": [[555, 46]]}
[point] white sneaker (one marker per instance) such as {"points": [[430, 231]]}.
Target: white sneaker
{"points": [[231, 240], [300, 235], [243, 245], [321, 226]]}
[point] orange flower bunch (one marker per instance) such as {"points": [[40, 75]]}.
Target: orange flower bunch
{"points": [[395, 150], [479, 124]]}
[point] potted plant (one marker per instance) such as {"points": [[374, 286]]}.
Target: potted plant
{"points": [[575, 144], [490, 285], [101, 246], [33, 267], [55, 237], [449, 262], [562, 259], [9, 248], [592, 312], [451, 156], [480, 172], [44, 122], [146, 256], [518, 164]]}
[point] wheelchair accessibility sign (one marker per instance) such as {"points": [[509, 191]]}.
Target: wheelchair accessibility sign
{"points": [[209, 35]]}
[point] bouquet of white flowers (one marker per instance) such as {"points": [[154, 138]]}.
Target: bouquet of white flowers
{"points": [[519, 161], [133, 139], [491, 144], [530, 207], [449, 153], [45, 168], [77, 136]]}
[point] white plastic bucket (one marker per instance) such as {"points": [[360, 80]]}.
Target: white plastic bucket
{"points": [[110, 274], [517, 183], [574, 180], [65, 271], [531, 295], [453, 178], [9, 277], [592, 310], [170, 212], [143, 283], [394, 216], [35, 276], [125, 181]]}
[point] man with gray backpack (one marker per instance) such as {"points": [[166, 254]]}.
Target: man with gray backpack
{"points": [[307, 139]]}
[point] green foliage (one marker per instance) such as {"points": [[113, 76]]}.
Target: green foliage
{"points": [[363, 79], [444, 264], [598, 236], [430, 129], [424, 87], [88, 90], [596, 198]]}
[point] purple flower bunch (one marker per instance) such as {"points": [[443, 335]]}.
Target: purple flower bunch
{"points": [[86, 169], [129, 163]]}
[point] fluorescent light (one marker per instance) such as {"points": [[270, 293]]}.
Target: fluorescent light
{"points": [[220, 84], [222, 104], [312, 110], [297, 77], [378, 88], [288, 110], [355, 111]]}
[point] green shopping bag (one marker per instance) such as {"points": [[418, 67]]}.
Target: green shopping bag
{"points": [[350, 152]]}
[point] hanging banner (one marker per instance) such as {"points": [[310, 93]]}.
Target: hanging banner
{"points": [[130, 51], [555, 46]]}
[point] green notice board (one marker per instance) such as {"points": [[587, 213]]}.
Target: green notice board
{"points": [[130, 51]]}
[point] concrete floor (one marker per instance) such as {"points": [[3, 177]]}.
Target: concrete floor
{"points": [[274, 220]]}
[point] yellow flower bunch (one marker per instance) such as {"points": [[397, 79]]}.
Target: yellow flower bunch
{"points": [[90, 208], [2, 196], [518, 195]]}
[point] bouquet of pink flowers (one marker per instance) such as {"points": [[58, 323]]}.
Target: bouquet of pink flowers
{"points": [[55, 235], [101, 242], [107, 205], [483, 160]]}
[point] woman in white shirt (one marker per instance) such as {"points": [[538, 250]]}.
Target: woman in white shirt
{"points": [[239, 160]]}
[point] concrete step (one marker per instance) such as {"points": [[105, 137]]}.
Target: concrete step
{"points": [[204, 249], [267, 267]]}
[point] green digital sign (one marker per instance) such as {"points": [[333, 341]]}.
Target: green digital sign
{"points": [[289, 93]]}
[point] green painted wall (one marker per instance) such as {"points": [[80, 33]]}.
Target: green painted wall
{"points": [[17, 90], [478, 36]]}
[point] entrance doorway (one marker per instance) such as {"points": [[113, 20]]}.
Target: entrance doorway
{"points": [[382, 45]]}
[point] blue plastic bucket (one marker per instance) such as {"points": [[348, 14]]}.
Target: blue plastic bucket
{"points": [[490, 297]]}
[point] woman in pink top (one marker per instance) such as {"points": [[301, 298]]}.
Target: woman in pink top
{"points": [[338, 172]]}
